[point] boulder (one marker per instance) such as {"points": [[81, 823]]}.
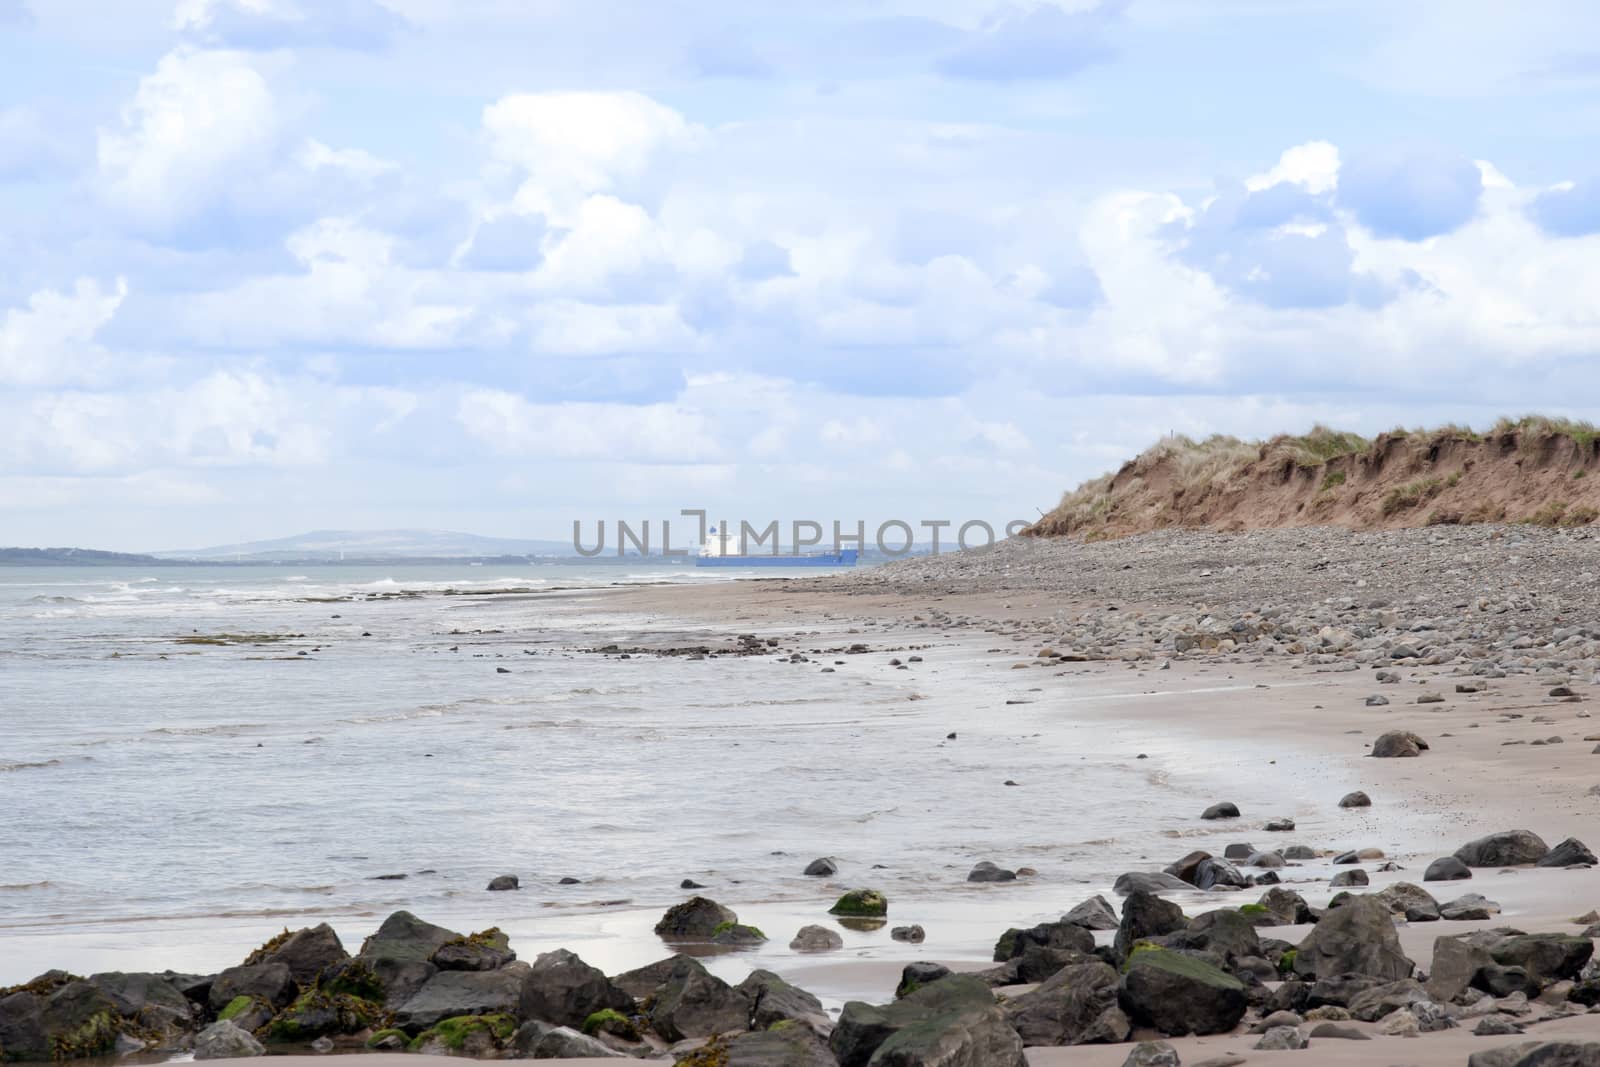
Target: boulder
{"points": [[1398, 744], [460, 993], [317, 1013], [1278, 826], [1472, 906], [1509, 848], [951, 1023], [1411, 901], [1146, 916], [484, 951], [305, 952], [271, 982], [1455, 969], [1569, 853], [1446, 869], [1357, 938], [989, 872], [737, 934], [1224, 810], [1370, 1005], [1078, 1005], [1283, 907], [1058, 935], [693, 1002], [403, 936], [1095, 913], [1213, 872], [1161, 1054], [773, 1001], [913, 976], [1299, 852], [913, 934], [503, 883], [1224, 932], [1539, 1054], [861, 903], [1354, 876], [1281, 1039], [1179, 994], [824, 867], [696, 919], [561, 988], [225, 1041], [57, 1016], [150, 1001], [787, 1046], [1545, 957], [475, 1036], [1357, 799], [1187, 868], [1238, 850], [536, 1040], [816, 939], [391, 981], [643, 982], [1148, 882]]}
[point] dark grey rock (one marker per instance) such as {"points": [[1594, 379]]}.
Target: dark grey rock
{"points": [[1509, 848], [1356, 938], [1077, 1005], [696, 919], [1178, 994], [1446, 869]]}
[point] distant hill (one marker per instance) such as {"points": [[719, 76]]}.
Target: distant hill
{"points": [[330, 545], [54, 557], [1536, 470]]}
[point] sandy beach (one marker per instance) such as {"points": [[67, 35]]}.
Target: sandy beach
{"points": [[1215, 695]]}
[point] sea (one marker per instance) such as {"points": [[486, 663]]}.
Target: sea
{"points": [[194, 758]]}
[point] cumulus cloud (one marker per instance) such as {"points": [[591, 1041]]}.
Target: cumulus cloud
{"points": [[567, 145], [52, 340], [200, 121], [1411, 195], [272, 24]]}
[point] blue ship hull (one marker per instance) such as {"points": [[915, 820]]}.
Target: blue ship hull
{"points": [[845, 558]]}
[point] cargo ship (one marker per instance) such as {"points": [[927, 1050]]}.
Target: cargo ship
{"points": [[718, 551]]}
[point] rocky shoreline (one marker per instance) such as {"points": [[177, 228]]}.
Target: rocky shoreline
{"points": [[1141, 973]]}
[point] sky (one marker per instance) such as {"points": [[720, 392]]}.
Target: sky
{"points": [[498, 265]]}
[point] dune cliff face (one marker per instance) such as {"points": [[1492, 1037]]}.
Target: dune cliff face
{"points": [[1536, 471]]}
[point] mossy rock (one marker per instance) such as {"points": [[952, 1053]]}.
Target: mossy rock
{"points": [[613, 1022], [380, 1036], [235, 1007], [1253, 911], [714, 1053], [264, 953], [355, 979], [455, 1032], [1145, 954], [96, 1036], [737, 934], [1286, 961], [864, 903], [316, 1013]]}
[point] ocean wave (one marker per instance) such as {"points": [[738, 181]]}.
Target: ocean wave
{"points": [[46, 598], [28, 766], [21, 886]]}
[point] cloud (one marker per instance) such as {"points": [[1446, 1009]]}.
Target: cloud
{"points": [[1571, 210], [363, 25], [1411, 195], [201, 121], [570, 144], [52, 340], [511, 425], [1042, 41]]}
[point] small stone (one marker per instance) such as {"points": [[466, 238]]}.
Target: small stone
{"points": [[1358, 799], [816, 939], [913, 934], [1281, 1039], [1152, 1054], [1224, 810], [1377, 700], [503, 883], [824, 867]]}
